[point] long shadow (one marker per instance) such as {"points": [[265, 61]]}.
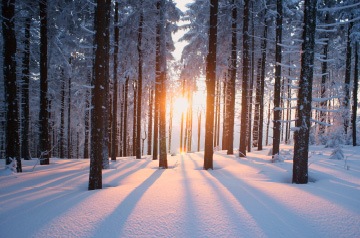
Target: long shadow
{"points": [[120, 215], [265, 210]]}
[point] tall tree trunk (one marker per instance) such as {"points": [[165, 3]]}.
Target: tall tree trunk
{"points": [[355, 90], [347, 79], [102, 20], [162, 106], [225, 115], [25, 93], [43, 115], [151, 102], [245, 80], [262, 86], [277, 85], [125, 133], [301, 134], [114, 134], [62, 117], [135, 88], [199, 131], [10, 87], [69, 144], [182, 119], [87, 120], [170, 122], [139, 87], [231, 85], [210, 85], [258, 98]]}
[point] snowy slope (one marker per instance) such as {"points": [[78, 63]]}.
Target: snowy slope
{"points": [[247, 197]]}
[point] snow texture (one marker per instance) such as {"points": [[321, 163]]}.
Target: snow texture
{"points": [[241, 197]]}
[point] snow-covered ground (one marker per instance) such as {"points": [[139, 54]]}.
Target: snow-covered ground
{"points": [[241, 197]]}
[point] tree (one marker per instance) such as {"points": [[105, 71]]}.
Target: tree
{"points": [[210, 85], [355, 90], [231, 84], [25, 92], [101, 41], [301, 134], [139, 86], [9, 68], [277, 85], [162, 79], [43, 115], [245, 81], [347, 79]]}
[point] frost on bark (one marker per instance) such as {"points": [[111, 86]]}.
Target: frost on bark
{"points": [[210, 85], [355, 97], [10, 87], [347, 80], [102, 18], [301, 134]]}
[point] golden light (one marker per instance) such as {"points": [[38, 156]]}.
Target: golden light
{"points": [[180, 105]]}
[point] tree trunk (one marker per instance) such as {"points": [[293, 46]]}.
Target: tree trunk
{"points": [[139, 87], [347, 79], [262, 86], [355, 98], [170, 122], [162, 78], [135, 88], [125, 133], [69, 144], [25, 93], [301, 134], [258, 98], [210, 85], [102, 20], [115, 86], [245, 81], [199, 131], [231, 85], [43, 114], [151, 102], [10, 87], [277, 85], [87, 120], [62, 117], [225, 115]]}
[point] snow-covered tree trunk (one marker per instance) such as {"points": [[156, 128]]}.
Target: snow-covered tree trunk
{"points": [[11, 97], [301, 134], [210, 85], [98, 119], [347, 80]]}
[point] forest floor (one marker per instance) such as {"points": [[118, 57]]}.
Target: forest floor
{"points": [[241, 197]]}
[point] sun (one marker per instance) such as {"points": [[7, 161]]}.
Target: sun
{"points": [[180, 104]]}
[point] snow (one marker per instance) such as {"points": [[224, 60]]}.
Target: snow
{"points": [[241, 197]]}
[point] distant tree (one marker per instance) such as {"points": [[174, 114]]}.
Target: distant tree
{"points": [[347, 79], [355, 97], [44, 145], [102, 19], [210, 85], [11, 97], [301, 134]]}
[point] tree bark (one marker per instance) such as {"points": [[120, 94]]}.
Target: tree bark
{"points": [[10, 87], [43, 115], [115, 85], [139, 87], [25, 93], [301, 134], [102, 20], [210, 85], [347, 80], [355, 97], [125, 132], [151, 102], [277, 85], [245, 81], [230, 114]]}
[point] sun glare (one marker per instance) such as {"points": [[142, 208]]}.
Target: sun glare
{"points": [[180, 104]]}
